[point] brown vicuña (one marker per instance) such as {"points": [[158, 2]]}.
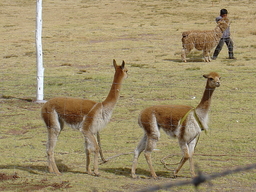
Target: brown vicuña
{"points": [[181, 121], [203, 40], [87, 116]]}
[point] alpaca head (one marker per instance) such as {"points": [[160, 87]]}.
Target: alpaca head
{"points": [[213, 80], [223, 24]]}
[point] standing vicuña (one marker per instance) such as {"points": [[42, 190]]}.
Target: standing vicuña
{"points": [[181, 121], [202, 40], [87, 116]]}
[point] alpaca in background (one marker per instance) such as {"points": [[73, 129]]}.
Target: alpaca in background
{"points": [[203, 40]]}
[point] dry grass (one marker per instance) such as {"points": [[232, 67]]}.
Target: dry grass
{"points": [[80, 39]]}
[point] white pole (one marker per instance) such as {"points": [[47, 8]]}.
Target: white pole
{"points": [[39, 53]]}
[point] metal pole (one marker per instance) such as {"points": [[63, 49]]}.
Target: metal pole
{"points": [[39, 54]]}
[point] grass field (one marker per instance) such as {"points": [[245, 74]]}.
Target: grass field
{"points": [[80, 40]]}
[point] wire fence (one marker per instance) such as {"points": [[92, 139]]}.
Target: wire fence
{"points": [[200, 179]]}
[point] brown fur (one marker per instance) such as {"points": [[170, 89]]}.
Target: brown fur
{"points": [[85, 115], [202, 40], [169, 118]]}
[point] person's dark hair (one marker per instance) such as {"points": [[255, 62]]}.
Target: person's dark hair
{"points": [[223, 11]]}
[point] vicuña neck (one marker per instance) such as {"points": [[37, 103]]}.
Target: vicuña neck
{"points": [[205, 102], [114, 92]]}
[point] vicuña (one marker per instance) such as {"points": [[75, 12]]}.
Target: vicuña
{"points": [[87, 116], [181, 121]]}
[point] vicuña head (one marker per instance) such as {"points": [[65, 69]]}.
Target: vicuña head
{"points": [[87, 116], [213, 80], [180, 121]]}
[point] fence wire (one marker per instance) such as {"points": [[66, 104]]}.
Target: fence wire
{"points": [[201, 178]]}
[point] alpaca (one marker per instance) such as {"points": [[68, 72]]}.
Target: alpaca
{"points": [[87, 116], [203, 40], [181, 121]]}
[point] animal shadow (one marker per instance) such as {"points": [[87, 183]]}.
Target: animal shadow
{"points": [[34, 169], [140, 172]]}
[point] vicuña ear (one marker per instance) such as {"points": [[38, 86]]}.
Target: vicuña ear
{"points": [[205, 76], [123, 64], [114, 63]]}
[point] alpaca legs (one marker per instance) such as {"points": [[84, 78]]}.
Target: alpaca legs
{"points": [[185, 150], [185, 52], [183, 55], [54, 126], [147, 144], [141, 146], [207, 57], [192, 146], [52, 140], [188, 151], [91, 146], [100, 149], [149, 148]]}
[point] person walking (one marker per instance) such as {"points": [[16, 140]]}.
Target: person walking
{"points": [[225, 38]]}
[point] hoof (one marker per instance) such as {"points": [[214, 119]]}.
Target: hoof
{"points": [[56, 173], [134, 176], [89, 173], [97, 174]]}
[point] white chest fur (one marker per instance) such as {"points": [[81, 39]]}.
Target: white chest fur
{"points": [[101, 118]]}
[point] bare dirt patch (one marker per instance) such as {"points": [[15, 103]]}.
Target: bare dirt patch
{"points": [[30, 185], [4, 177], [44, 184]]}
